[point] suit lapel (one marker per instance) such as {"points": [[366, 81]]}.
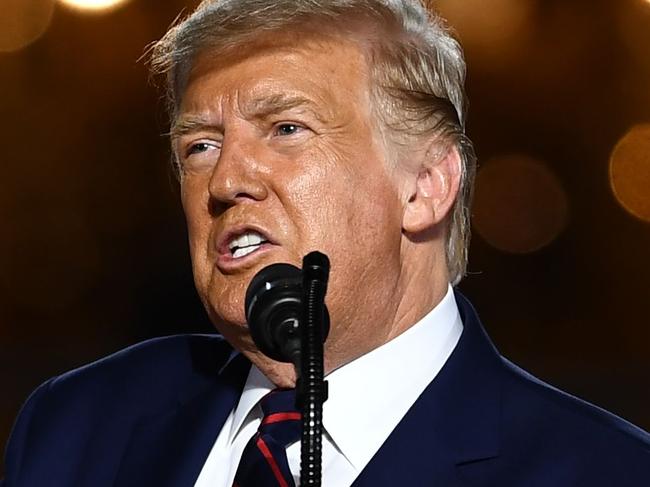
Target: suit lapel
{"points": [[453, 423], [170, 448]]}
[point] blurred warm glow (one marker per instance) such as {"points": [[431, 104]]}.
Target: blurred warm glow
{"points": [[634, 27], [94, 5], [634, 31], [520, 205], [629, 171], [23, 21], [497, 29]]}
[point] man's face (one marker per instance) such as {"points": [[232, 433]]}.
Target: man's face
{"points": [[277, 143]]}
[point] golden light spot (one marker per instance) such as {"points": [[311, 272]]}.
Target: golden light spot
{"points": [[94, 6], [520, 205], [23, 21], [629, 171], [498, 29]]}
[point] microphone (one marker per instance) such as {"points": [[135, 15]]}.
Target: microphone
{"points": [[289, 322], [274, 311]]}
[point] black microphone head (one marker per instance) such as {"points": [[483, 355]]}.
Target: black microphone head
{"points": [[273, 307], [274, 276]]}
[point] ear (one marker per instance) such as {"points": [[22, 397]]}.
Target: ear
{"points": [[434, 190]]}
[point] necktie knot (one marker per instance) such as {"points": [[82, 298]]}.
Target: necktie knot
{"points": [[264, 460], [281, 419]]}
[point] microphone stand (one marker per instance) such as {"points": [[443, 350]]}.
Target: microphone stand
{"points": [[312, 388], [288, 320]]}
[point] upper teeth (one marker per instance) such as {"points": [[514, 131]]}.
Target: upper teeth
{"points": [[248, 239]]}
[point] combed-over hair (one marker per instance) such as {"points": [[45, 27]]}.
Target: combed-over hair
{"points": [[417, 72]]}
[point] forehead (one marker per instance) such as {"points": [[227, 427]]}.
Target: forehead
{"points": [[328, 71]]}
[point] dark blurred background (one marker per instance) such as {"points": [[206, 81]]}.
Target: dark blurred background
{"points": [[93, 253]]}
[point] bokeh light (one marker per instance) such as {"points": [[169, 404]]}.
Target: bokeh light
{"points": [[520, 205], [99, 6], [629, 171], [497, 32], [23, 21]]}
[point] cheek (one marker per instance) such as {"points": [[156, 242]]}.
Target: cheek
{"points": [[355, 219], [194, 200], [347, 200], [364, 249], [197, 218], [371, 213]]}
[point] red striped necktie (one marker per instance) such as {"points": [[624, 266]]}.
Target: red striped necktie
{"points": [[264, 460]]}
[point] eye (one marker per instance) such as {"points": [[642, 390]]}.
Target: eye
{"points": [[199, 148], [285, 129]]}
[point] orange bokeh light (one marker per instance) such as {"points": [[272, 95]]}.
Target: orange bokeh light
{"points": [[93, 6], [629, 171], [520, 206], [499, 31], [23, 22]]}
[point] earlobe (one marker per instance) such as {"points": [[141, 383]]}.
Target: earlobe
{"points": [[434, 191]]}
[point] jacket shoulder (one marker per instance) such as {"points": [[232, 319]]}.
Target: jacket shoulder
{"points": [[97, 406], [547, 422], [158, 367]]}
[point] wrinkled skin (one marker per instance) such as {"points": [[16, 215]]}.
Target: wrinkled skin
{"points": [[315, 176]]}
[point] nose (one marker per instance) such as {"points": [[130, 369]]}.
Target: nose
{"points": [[238, 175]]}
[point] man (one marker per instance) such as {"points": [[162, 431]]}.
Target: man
{"points": [[335, 126]]}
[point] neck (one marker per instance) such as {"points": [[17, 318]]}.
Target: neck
{"points": [[371, 321]]}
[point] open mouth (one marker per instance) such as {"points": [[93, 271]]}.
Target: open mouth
{"points": [[245, 244]]}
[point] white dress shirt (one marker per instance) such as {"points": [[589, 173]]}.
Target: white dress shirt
{"points": [[367, 399]]}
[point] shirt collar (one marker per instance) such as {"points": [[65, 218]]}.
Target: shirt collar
{"points": [[369, 396], [256, 387]]}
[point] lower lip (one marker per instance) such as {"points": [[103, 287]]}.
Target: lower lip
{"points": [[227, 263]]}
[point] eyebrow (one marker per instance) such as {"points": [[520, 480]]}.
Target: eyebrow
{"points": [[190, 123], [258, 109], [263, 107]]}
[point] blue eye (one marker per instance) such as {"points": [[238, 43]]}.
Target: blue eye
{"points": [[199, 148], [287, 129]]}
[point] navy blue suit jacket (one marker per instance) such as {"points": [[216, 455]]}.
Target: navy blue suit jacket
{"points": [[149, 415]]}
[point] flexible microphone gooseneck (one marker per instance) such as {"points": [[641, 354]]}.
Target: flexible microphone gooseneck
{"points": [[312, 389], [288, 321]]}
